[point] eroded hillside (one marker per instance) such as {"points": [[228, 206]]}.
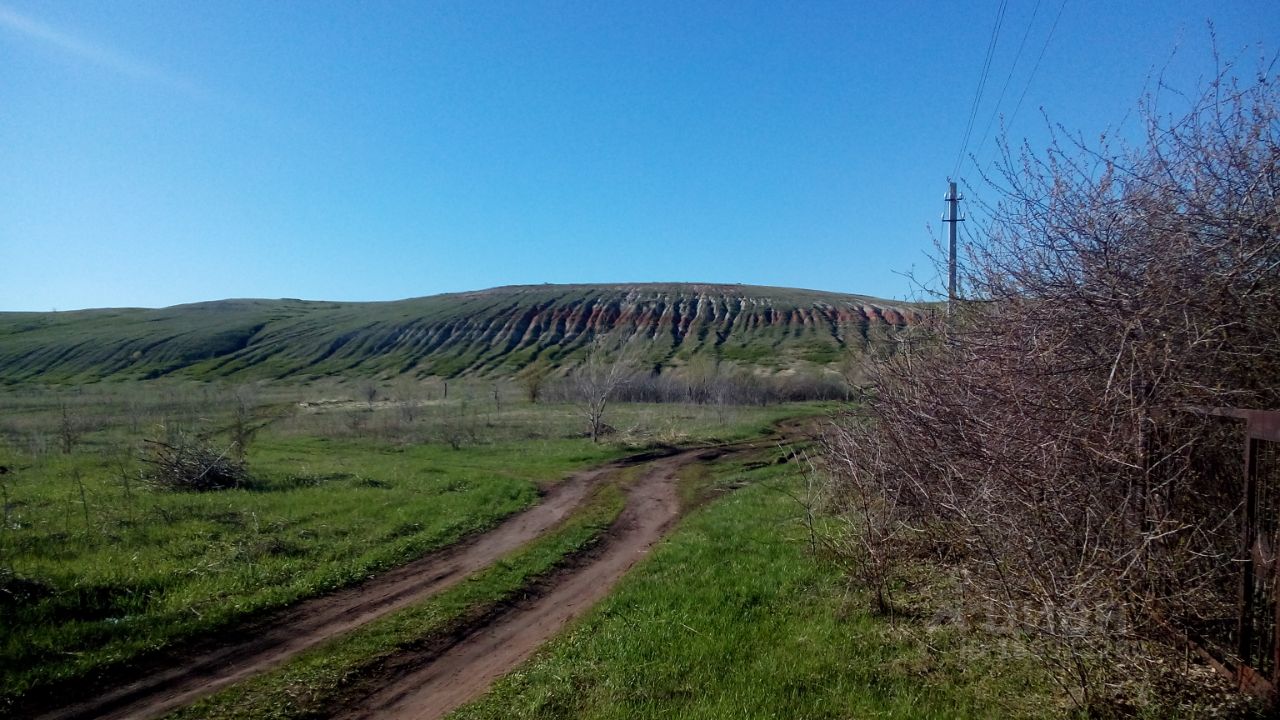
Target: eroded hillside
{"points": [[495, 331]]}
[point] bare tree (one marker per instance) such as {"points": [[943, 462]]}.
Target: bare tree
{"points": [[244, 403], [608, 365], [457, 423], [701, 374], [407, 393]]}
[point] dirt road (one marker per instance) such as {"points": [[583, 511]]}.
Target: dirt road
{"points": [[270, 643], [432, 685], [464, 671]]}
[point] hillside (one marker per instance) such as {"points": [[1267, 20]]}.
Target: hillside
{"points": [[487, 332]]}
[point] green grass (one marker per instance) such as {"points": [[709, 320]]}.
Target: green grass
{"points": [[751, 353], [731, 617], [313, 681]]}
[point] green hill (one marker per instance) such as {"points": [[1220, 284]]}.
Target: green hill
{"points": [[487, 332]]}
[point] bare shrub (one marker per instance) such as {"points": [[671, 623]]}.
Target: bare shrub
{"points": [[1028, 442], [458, 424], [369, 391], [722, 384], [244, 403], [70, 428], [408, 395]]}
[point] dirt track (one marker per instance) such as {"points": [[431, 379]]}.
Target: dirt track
{"points": [[435, 685], [309, 623], [465, 670]]}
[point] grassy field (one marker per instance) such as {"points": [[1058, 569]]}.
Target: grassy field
{"points": [[733, 617], [116, 571], [97, 567]]}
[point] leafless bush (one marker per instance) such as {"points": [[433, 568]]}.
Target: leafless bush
{"points": [[244, 403], [408, 393], [70, 428], [369, 391], [458, 424], [726, 384], [1036, 441]]}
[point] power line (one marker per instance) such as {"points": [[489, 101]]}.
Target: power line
{"points": [[1036, 67], [982, 82], [995, 111]]}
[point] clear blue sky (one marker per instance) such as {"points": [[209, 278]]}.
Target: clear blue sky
{"points": [[154, 153]]}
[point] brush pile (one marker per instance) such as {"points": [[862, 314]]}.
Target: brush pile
{"points": [[186, 464]]}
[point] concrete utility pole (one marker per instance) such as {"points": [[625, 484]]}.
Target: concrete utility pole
{"points": [[952, 218]]}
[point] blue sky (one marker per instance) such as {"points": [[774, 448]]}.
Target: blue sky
{"points": [[154, 153]]}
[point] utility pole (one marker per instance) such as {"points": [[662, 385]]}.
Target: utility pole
{"points": [[952, 218]]}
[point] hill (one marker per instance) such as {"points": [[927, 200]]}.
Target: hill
{"points": [[487, 332]]}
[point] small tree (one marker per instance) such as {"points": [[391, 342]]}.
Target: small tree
{"points": [[244, 402], [457, 424], [701, 374], [606, 368], [407, 393]]}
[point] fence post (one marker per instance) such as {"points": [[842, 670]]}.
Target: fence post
{"points": [[1249, 538]]}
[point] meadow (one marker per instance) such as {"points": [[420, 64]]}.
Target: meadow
{"points": [[99, 566], [739, 612]]}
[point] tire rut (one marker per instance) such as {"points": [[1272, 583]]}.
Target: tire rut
{"points": [[162, 687], [459, 672], [435, 686]]}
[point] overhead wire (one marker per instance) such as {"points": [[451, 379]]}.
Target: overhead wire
{"points": [[995, 111], [1036, 67], [982, 82]]}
